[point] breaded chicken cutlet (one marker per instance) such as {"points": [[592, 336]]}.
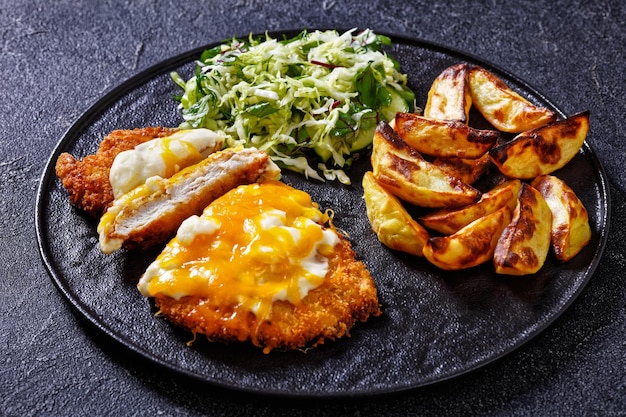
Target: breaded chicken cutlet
{"points": [[87, 180], [151, 213], [303, 285], [262, 264], [347, 296]]}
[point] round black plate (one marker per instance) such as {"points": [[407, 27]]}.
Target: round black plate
{"points": [[436, 325]]}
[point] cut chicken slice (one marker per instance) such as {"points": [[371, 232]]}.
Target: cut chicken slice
{"points": [[151, 213]]}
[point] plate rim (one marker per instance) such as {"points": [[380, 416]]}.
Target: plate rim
{"points": [[161, 68]]}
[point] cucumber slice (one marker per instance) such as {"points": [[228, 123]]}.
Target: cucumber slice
{"points": [[397, 104], [365, 135], [364, 139], [322, 151]]}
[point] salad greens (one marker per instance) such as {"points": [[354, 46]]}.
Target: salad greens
{"points": [[316, 97]]}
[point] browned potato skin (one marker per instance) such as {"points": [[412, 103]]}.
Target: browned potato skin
{"points": [[445, 138], [542, 151], [467, 170], [403, 172], [386, 140], [449, 96], [392, 224], [524, 244], [570, 221], [502, 107], [449, 221], [471, 246]]}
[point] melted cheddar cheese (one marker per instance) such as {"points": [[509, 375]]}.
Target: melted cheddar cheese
{"points": [[256, 244], [161, 157]]}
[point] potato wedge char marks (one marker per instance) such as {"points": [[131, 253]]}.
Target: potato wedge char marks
{"points": [[390, 221], [449, 221], [262, 264], [403, 172], [467, 170], [449, 97], [542, 151], [505, 109], [151, 213], [570, 221], [434, 160], [87, 180], [446, 138], [470, 246], [524, 244]]}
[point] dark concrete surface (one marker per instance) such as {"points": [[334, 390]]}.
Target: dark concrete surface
{"points": [[59, 58]]}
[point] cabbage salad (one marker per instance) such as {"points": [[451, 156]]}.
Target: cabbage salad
{"points": [[313, 100]]}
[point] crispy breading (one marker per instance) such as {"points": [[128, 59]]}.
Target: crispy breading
{"points": [[348, 295], [87, 180]]}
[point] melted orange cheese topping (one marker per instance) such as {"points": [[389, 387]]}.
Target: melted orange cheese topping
{"points": [[174, 159], [256, 244]]}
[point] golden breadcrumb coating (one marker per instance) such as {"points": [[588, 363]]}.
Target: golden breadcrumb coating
{"points": [[87, 180], [347, 295]]}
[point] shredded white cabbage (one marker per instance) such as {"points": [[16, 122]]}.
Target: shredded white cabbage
{"points": [[317, 96]]}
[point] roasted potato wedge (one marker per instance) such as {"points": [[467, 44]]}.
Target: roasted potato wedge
{"points": [[445, 138], [470, 246], [467, 170], [542, 151], [570, 230], [449, 96], [505, 109], [524, 244], [449, 221], [392, 224], [403, 172]]}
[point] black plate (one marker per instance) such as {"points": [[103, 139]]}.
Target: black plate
{"points": [[435, 325]]}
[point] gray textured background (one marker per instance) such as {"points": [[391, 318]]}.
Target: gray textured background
{"points": [[58, 58]]}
